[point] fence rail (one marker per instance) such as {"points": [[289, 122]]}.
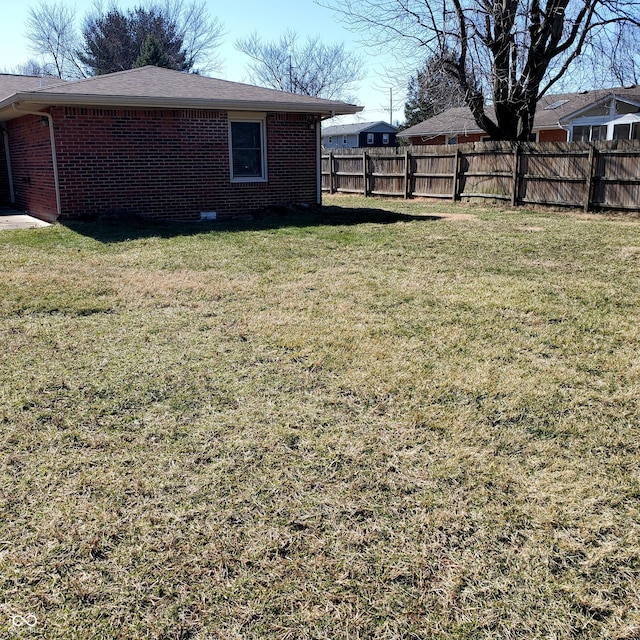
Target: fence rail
{"points": [[604, 175]]}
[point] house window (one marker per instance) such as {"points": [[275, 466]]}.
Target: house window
{"points": [[370, 138], [589, 132], [628, 131], [452, 140], [621, 131], [247, 145], [344, 141], [581, 134], [385, 138]]}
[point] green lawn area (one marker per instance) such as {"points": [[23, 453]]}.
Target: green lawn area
{"points": [[374, 420]]}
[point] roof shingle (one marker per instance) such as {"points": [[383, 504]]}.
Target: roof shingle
{"points": [[154, 86], [551, 109]]}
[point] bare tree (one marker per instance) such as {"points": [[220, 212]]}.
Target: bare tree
{"points": [[52, 35], [431, 90], [200, 32], [33, 67], [506, 52], [115, 40], [112, 40], [623, 61], [311, 68]]}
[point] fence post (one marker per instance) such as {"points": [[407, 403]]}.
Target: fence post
{"points": [[331, 172], [516, 169], [365, 173], [406, 173], [456, 165], [592, 165]]}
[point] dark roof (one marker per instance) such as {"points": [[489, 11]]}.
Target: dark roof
{"points": [[551, 109], [357, 127], [155, 87]]}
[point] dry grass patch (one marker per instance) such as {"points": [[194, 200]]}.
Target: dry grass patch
{"points": [[367, 421]]}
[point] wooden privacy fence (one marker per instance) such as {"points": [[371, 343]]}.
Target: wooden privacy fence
{"points": [[604, 175]]}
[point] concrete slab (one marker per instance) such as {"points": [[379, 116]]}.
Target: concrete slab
{"points": [[12, 219]]}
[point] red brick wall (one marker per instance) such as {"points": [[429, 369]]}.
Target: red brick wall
{"points": [[174, 164], [552, 135], [32, 167], [5, 194]]}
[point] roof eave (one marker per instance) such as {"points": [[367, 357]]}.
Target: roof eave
{"points": [[40, 100], [576, 113], [435, 134]]}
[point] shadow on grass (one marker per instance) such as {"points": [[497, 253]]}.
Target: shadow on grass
{"points": [[119, 228]]}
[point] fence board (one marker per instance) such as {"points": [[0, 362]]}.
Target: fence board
{"points": [[589, 175]]}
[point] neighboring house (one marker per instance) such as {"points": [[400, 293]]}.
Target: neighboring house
{"points": [[604, 114], [157, 143], [359, 135]]}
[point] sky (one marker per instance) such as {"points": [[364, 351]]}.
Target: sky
{"points": [[270, 20]]}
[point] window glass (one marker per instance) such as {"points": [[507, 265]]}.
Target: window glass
{"points": [[385, 138], [635, 131], [369, 138], [621, 131], [452, 140], [587, 132], [581, 134], [246, 150]]}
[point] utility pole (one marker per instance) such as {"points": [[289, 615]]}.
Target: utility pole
{"points": [[391, 106]]}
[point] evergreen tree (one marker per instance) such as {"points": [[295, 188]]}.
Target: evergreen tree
{"points": [[185, 37], [152, 53], [116, 41], [431, 91]]}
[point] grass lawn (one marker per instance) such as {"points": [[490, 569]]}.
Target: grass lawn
{"points": [[369, 421]]}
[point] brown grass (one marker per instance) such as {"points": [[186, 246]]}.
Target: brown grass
{"points": [[365, 422]]}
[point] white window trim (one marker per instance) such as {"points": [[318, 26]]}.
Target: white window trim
{"points": [[608, 121], [261, 118]]}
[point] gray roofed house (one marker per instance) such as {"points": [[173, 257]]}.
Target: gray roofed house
{"points": [[158, 143], [154, 86], [359, 135], [605, 114]]}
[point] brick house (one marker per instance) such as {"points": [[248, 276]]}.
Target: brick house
{"points": [[603, 114], [157, 143]]}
